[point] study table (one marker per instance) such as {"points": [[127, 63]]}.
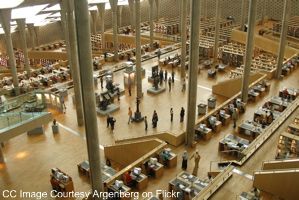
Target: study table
{"points": [[123, 189], [141, 180], [233, 143], [250, 128], [201, 130], [157, 169], [107, 171]]}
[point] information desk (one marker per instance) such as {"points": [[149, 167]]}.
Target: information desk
{"points": [[202, 131], [187, 185], [124, 189], [293, 128], [250, 128], [233, 143]]}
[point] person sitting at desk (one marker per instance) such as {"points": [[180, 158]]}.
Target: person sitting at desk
{"points": [[128, 180], [165, 156]]}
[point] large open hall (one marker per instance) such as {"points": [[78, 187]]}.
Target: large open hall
{"points": [[149, 99]]}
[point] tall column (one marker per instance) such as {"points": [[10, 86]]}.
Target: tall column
{"points": [[101, 11], [30, 27], [67, 17], [249, 49], [151, 19], [183, 37], [205, 7], [36, 35], [217, 27], [1, 155], [243, 11], [5, 17], [138, 49], [113, 4], [132, 13], [193, 70], [157, 10], [21, 26], [119, 16], [263, 13], [94, 17], [87, 87], [283, 38]]}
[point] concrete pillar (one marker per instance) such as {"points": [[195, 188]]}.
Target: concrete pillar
{"points": [[193, 70], [21, 26], [263, 13], [87, 87], [138, 49], [205, 9], [5, 17], [217, 27], [132, 13], [119, 16], [67, 15], [101, 11], [36, 35], [243, 12], [249, 49], [158, 9], [283, 38], [30, 27], [151, 19], [94, 17], [1, 155], [183, 37], [113, 4]]}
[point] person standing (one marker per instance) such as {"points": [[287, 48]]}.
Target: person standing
{"points": [[165, 75], [185, 160], [130, 114], [145, 123], [184, 85], [108, 121], [155, 119], [235, 116], [169, 84], [112, 123], [182, 114], [196, 157], [172, 76], [118, 95], [159, 54], [171, 114], [161, 76]]}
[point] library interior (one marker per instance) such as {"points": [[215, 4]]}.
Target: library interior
{"points": [[89, 108]]}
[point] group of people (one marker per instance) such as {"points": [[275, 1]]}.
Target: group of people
{"points": [[185, 159]]}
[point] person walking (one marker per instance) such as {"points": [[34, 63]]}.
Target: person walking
{"points": [[155, 119], [145, 123], [171, 114], [169, 84], [185, 160], [161, 76], [118, 95], [235, 116], [172, 76], [130, 114], [165, 75], [182, 114], [108, 121], [159, 54], [184, 85], [196, 157], [112, 123], [101, 81]]}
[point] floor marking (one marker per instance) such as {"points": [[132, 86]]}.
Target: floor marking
{"points": [[77, 134], [237, 171]]}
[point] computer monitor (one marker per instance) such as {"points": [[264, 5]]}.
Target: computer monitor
{"points": [[167, 150], [137, 171], [119, 184], [153, 161]]}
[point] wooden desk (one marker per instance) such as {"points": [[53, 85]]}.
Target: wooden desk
{"points": [[250, 128], [205, 132], [225, 119], [142, 181], [172, 161], [124, 189], [218, 126], [83, 168], [158, 170]]}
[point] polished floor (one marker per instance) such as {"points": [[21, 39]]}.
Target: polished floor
{"points": [[30, 158]]}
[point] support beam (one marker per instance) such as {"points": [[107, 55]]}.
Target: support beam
{"points": [[30, 27], [94, 17], [36, 35], [87, 87], [217, 27], [5, 17], [283, 38], [132, 13], [21, 27], [119, 16], [183, 37], [243, 11], [113, 4], [151, 19], [101, 11], [249, 50], [138, 49], [157, 10], [68, 18], [193, 70]]}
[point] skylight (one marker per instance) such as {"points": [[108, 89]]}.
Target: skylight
{"points": [[10, 4], [27, 12]]}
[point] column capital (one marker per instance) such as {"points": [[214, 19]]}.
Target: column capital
{"points": [[101, 8], [113, 4], [5, 16], [21, 24]]}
